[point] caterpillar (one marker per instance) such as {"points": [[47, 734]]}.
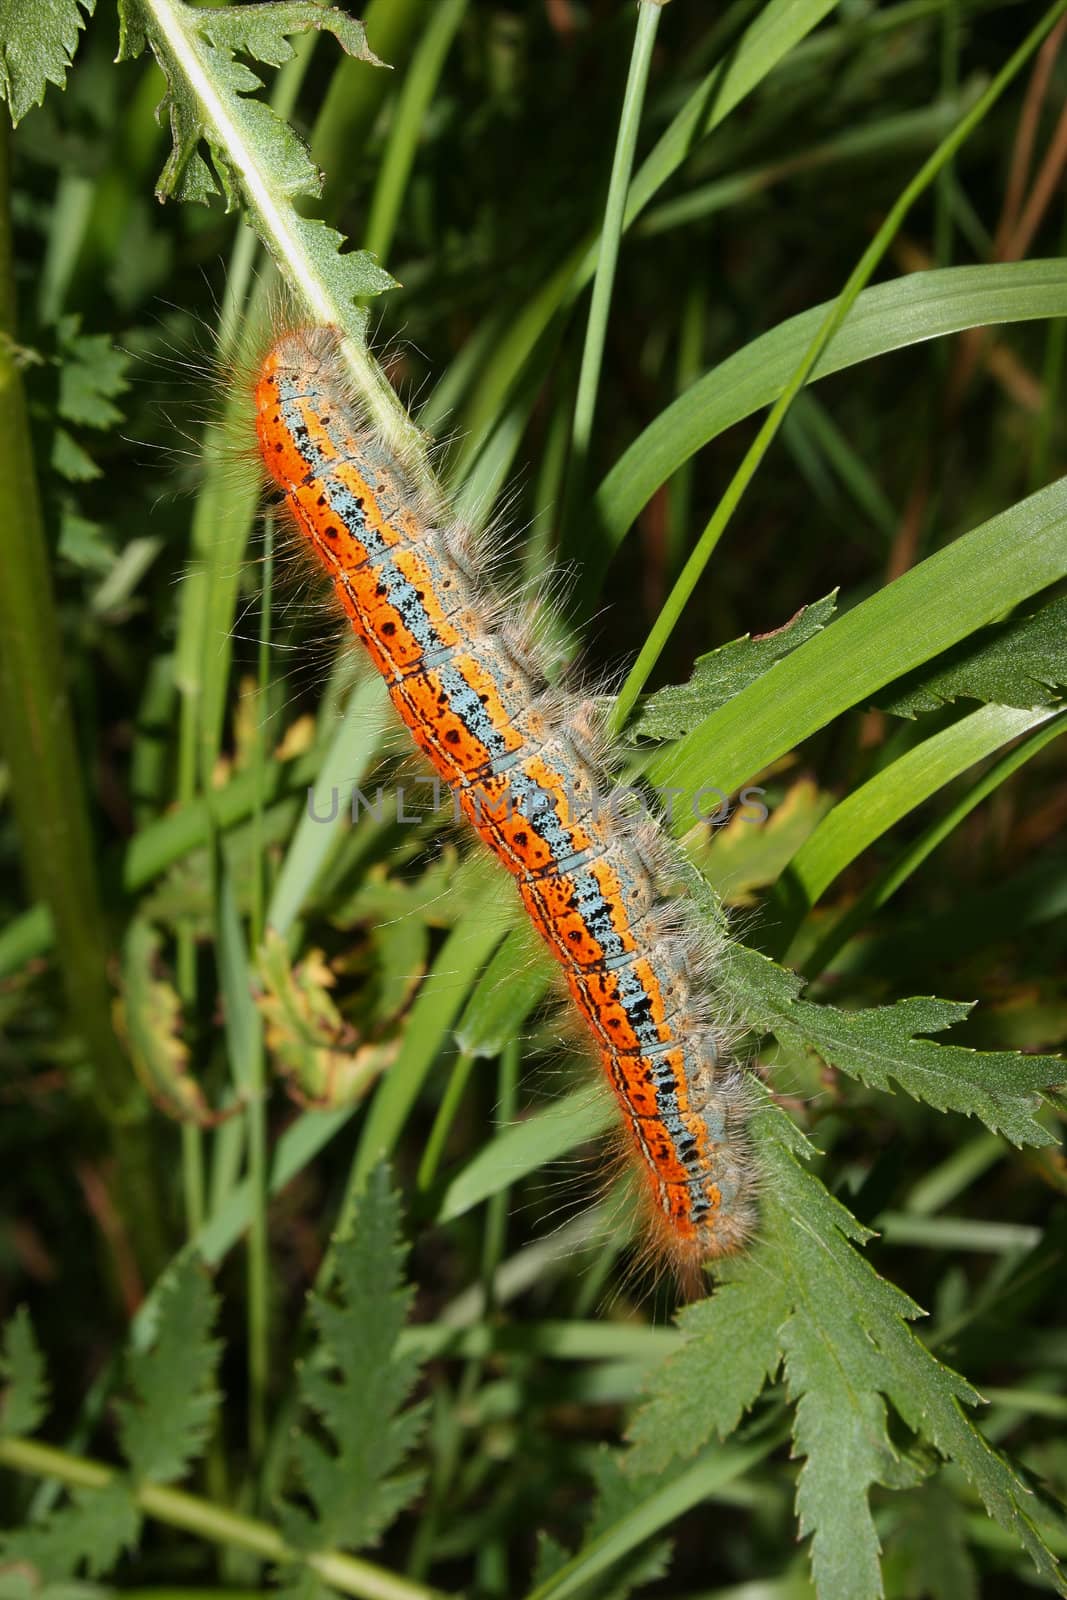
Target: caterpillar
{"points": [[523, 760]]}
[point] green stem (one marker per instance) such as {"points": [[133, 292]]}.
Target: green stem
{"points": [[442, 1123], [47, 791], [859, 277], [648, 15], [258, 1164], [496, 1216], [193, 1178], [278, 224], [214, 1523]]}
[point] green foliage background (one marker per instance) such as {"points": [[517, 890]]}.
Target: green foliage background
{"points": [[791, 275]]}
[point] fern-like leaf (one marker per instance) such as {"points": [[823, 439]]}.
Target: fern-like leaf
{"points": [[90, 1533], [24, 1396], [167, 1422], [37, 45], [842, 1335], [255, 157], [880, 1045], [356, 1384], [718, 676]]}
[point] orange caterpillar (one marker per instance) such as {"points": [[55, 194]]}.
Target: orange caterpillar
{"points": [[518, 757]]}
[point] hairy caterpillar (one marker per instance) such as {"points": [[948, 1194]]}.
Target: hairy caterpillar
{"points": [[522, 759]]}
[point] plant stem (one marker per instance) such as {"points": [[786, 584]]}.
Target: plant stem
{"points": [[648, 15], [258, 1174], [277, 222], [861, 274], [46, 780], [214, 1523]]}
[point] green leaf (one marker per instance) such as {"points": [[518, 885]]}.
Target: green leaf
{"points": [[880, 1045], [875, 807], [356, 1383], [24, 1397], [742, 1318], [848, 1354], [657, 1501], [91, 1531], [255, 157], [168, 1421], [37, 45], [92, 373], [889, 316], [310, 1043], [70, 461], [841, 1429], [722, 673], [1017, 663], [995, 566], [515, 981]]}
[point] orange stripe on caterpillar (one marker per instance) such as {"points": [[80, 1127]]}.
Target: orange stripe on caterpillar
{"points": [[516, 759]]}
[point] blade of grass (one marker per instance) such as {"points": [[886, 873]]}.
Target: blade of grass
{"points": [[165, 841], [871, 810], [519, 1150], [715, 1469], [897, 872], [461, 958], [861, 273], [342, 768], [766, 41], [648, 15], [986, 572], [889, 316]]}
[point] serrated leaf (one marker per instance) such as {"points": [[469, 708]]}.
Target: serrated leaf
{"points": [[718, 676], [85, 544], [262, 30], [167, 1422], [90, 1532], [356, 1385], [1020, 663], [70, 461], [849, 1354], [841, 1430], [618, 1494], [881, 1045], [255, 157], [301, 1583], [741, 1318], [37, 45], [24, 1396], [92, 373]]}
